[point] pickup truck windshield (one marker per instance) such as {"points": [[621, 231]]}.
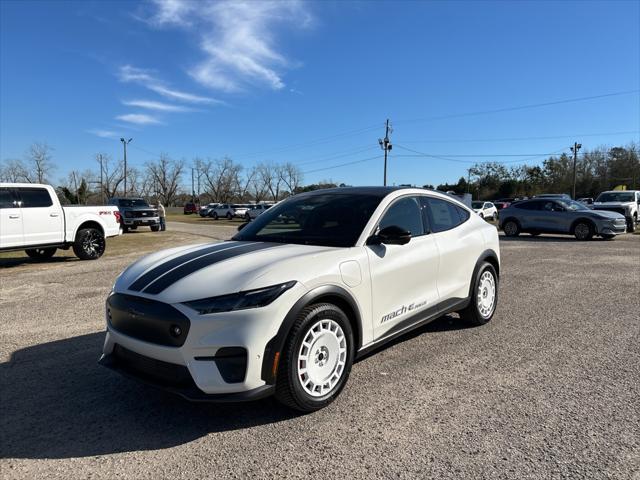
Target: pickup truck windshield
{"points": [[615, 197], [132, 202], [331, 220]]}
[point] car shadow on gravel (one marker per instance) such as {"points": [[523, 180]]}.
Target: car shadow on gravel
{"points": [[57, 402]]}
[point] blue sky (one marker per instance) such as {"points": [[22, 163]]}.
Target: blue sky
{"points": [[312, 83]]}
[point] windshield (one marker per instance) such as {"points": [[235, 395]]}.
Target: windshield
{"points": [[615, 197], [477, 204], [132, 202], [572, 204], [331, 219]]}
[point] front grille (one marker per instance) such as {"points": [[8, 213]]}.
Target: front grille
{"points": [[150, 369], [612, 209], [143, 213], [148, 320]]}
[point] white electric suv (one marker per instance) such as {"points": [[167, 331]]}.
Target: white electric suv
{"points": [[313, 283]]}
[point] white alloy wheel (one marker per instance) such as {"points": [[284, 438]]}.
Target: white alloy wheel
{"points": [[322, 358], [486, 294]]}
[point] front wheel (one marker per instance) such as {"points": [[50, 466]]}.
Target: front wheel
{"points": [[484, 296], [215, 215], [90, 244], [511, 228], [40, 253], [631, 224], [583, 231], [316, 359]]}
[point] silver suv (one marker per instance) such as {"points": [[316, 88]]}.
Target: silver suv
{"points": [[560, 215]]}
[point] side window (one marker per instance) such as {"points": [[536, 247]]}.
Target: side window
{"points": [[445, 215], [34, 197], [405, 213], [529, 205], [7, 199]]}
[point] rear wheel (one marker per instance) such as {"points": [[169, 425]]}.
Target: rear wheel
{"points": [[511, 228], [90, 244], [583, 231], [484, 297], [229, 215], [317, 358], [41, 253]]}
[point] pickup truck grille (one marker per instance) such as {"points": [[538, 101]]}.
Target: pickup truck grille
{"points": [[612, 209], [144, 213]]}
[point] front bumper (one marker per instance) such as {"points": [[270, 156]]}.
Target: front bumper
{"points": [[202, 361], [141, 222]]}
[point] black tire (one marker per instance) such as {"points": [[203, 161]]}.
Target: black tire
{"points": [[41, 253], [90, 244], [608, 237], [155, 228], [215, 215], [473, 314], [481, 215], [289, 388], [229, 215], [631, 224], [583, 231], [511, 228], [125, 229]]}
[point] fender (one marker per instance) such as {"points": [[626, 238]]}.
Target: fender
{"points": [[276, 344], [486, 256], [584, 220]]}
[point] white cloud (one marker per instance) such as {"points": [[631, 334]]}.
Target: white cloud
{"points": [[131, 74], [157, 106], [139, 119], [103, 133], [236, 38]]}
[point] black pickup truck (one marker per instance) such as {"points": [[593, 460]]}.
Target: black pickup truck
{"points": [[136, 212]]}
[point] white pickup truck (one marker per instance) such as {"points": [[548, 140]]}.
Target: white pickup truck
{"points": [[32, 219]]}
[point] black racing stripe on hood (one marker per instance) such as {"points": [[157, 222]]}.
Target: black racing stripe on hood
{"points": [[188, 268], [156, 272]]}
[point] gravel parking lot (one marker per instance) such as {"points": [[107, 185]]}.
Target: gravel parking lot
{"points": [[549, 389]]}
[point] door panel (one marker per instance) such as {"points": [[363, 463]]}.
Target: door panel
{"points": [[43, 221], [10, 220], [403, 277]]}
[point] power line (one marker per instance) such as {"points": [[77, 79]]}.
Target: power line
{"points": [[514, 139], [520, 107], [454, 157], [377, 157]]}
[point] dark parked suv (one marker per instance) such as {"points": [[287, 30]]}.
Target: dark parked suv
{"points": [[560, 215], [136, 212]]}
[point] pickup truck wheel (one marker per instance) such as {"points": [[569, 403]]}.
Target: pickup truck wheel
{"points": [[484, 296], [40, 253], [316, 359], [89, 244], [155, 228], [631, 224], [583, 231]]}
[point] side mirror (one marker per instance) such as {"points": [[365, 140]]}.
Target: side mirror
{"points": [[391, 235], [242, 225]]}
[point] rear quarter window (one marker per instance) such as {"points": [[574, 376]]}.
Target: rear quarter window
{"points": [[444, 215]]}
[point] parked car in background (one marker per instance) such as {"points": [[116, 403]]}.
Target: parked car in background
{"points": [[586, 200], [204, 211], [224, 210], [501, 205], [256, 210], [553, 195], [625, 202], [486, 210], [136, 212], [240, 210], [32, 219], [286, 311], [560, 215], [190, 208]]}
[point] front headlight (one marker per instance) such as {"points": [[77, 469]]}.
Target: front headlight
{"points": [[259, 297]]}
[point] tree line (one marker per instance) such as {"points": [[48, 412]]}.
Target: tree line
{"points": [[162, 179], [597, 170]]}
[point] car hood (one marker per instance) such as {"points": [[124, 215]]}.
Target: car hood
{"points": [[606, 214], [612, 204], [201, 271]]}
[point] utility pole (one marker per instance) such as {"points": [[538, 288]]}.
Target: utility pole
{"points": [[385, 144], [193, 187], [101, 178], [576, 146], [468, 180], [124, 144]]}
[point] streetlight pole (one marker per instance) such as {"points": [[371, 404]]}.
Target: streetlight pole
{"points": [[576, 146], [124, 144]]}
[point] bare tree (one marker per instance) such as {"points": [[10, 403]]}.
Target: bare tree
{"points": [[291, 176], [13, 170], [112, 174], [271, 179], [221, 178], [166, 174], [40, 164]]}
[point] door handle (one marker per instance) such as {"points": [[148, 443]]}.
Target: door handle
{"points": [[14, 216], [53, 214]]}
